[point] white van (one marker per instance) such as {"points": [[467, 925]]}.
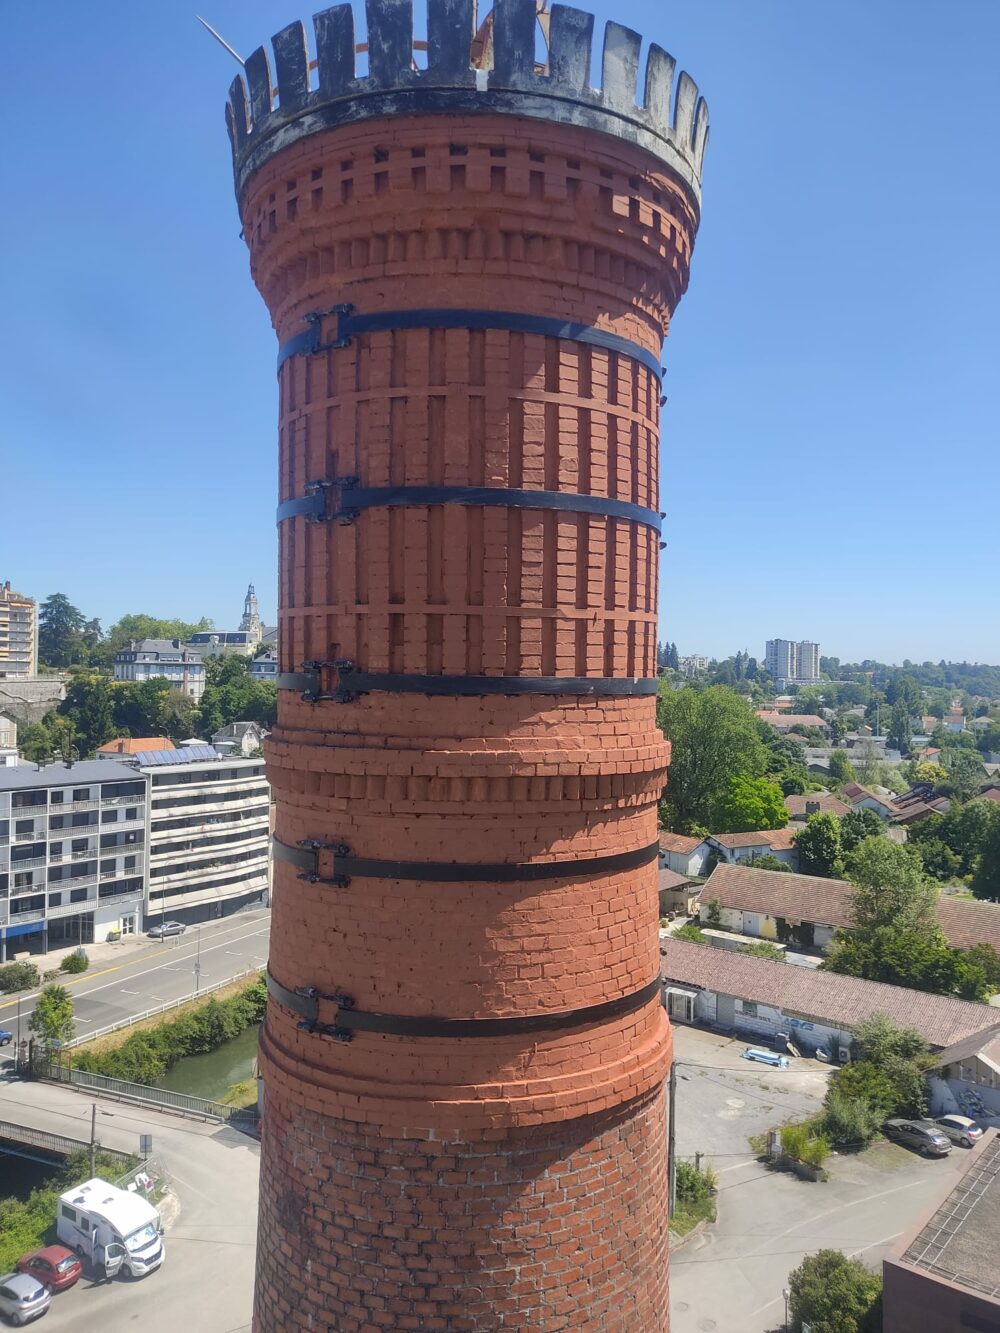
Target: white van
{"points": [[113, 1227]]}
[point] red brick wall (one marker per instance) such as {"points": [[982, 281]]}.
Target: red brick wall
{"points": [[402, 1167]]}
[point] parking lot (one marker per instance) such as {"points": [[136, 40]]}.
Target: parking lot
{"points": [[728, 1278]]}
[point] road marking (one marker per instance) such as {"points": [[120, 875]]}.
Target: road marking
{"points": [[129, 992]]}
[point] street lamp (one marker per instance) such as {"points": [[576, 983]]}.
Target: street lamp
{"points": [[197, 965], [785, 1291]]}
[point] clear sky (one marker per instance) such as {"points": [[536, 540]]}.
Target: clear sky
{"points": [[831, 466]]}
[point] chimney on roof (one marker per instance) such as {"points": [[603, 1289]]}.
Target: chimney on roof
{"points": [[812, 808]]}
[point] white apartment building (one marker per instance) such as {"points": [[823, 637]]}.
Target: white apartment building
{"points": [[796, 662], [167, 658], [18, 635], [209, 833], [72, 854], [693, 664]]}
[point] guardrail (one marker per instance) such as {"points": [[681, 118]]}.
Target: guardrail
{"points": [[30, 1137], [181, 1102], [160, 1008]]}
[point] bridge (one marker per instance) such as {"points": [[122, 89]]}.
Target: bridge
{"points": [[37, 1145]]}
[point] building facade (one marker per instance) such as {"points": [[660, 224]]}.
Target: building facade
{"points": [[265, 667], [72, 854], [790, 662], [18, 635], [176, 662], [466, 763], [245, 640], [209, 845]]}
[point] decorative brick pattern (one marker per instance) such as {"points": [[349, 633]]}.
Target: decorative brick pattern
{"points": [[512, 1181]]}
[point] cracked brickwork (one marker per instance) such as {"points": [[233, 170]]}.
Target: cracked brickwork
{"points": [[504, 1181]]}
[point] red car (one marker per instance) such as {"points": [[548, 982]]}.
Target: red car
{"points": [[55, 1267]]}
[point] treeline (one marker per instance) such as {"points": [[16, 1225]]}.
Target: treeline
{"points": [[66, 638], [97, 709]]}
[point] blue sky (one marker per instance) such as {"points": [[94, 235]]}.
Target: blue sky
{"points": [[830, 460]]}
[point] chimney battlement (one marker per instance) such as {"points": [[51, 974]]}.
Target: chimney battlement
{"points": [[493, 71]]}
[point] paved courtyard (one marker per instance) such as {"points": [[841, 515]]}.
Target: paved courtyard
{"points": [[728, 1279]]}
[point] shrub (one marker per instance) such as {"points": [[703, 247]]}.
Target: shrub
{"points": [[713, 913], [692, 933], [763, 949], [18, 976], [793, 1141], [77, 961], [848, 1122], [816, 1151], [694, 1185]]}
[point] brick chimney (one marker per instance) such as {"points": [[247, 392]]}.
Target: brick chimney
{"points": [[470, 262]]}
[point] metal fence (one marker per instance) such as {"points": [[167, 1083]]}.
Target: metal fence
{"points": [[29, 1137], [159, 1009], [179, 1102], [149, 1177]]}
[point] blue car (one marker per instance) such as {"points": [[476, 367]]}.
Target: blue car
{"points": [[5, 1037]]}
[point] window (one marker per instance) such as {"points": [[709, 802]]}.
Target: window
{"points": [[25, 798], [81, 793], [56, 821], [56, 797], [109, 816], [80, 844], [68, 1212], [24, 826], [78, 895], [55, 900], [132, 813], [85, 818], [23, 879], [749, 1008], [55, 849]]}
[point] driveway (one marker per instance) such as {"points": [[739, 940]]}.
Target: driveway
{"points": [[728, 1278]]}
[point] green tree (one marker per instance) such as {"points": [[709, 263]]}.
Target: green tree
{"points": [[766, 861], [59, 626], [965, 772], [89, 705], [232, 695], [918, 959], [714, 737], [904, 690], [834, 1294], [52, 1017], [900, 728], [180, 716], [856, 826], [818, 846], [748, 804], [986, 881], [890, 888], [841, 768], [138, 707]]}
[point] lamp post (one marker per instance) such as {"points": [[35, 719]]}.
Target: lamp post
{"points": [[785, 1291], [197, 965]]}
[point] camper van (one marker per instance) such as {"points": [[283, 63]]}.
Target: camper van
{"points": [[111, 1227]]}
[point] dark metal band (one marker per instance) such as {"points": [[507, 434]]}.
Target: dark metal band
{"points": [[305, 856], [343, 500], [310, 341], [346, 1020], [351, 683]]}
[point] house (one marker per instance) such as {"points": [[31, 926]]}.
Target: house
{"points": [[677, 893], [168, 659], [862, 798], [967, 1080], [954, 722], [265, 666], [733, 848], [802, 808], [981, 723], [684, 855], [785, 721], [990, 794], [132, 745], [918, 803], [759, 998], [772, 904], [242, 738], [928, 722]]}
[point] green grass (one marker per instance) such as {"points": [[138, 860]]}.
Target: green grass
{"points": [[241, 1094], [687, 1215]]}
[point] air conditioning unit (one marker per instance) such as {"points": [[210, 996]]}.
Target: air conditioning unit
{"points": [[844, 1055]]}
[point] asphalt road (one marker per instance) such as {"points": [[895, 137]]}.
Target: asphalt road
{"points": [[140, 974], [205, 1284]]}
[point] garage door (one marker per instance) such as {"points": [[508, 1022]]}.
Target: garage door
{"points": [[725, 1014]]}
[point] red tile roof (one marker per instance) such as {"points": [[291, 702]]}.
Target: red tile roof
{"points": [[855, 793], [828, 804], [678, 842], [822, 996], [789, 719], [669, 879], [827, 902], [135, 744], [991, 794]]}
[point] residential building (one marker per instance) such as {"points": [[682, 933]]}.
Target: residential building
{"points": [[683, 855], [72, 854], [8, 733], [776, 905], [792, 663], [216, 643], [967, 1080], [126, 745], [265, 667], [242, 738], [732, 848], [170, 659], [783, 722], [209, 843], [801, 808], [759, 998], [18, 634], [693, 664], [941, 1275], [954, 722], [863, 798], [677, 893]]}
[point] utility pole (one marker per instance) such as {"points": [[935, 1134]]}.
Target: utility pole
{"points": [[197, 965], [93, 1139], [671, 1163]]}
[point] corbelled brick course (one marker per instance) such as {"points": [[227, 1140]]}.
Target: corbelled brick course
{"points": [[514, 1179]]}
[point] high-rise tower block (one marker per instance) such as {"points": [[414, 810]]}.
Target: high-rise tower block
{"points": [[470, 256]]}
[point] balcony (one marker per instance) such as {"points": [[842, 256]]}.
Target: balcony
{"points": [[90, 854], [74, 805], [122, 800], [123, 874], [56, 885], [32, 864], [33, 835]]}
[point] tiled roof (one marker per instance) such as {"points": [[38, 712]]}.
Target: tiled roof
{"points": [[677, 842], [827, 902], [135, 744], [991, 794], [790, 719], [855, 792], [822, 996], [985, 1043], [828, 804], [669, 879]]}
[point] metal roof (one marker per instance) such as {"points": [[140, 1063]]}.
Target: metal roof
{"points": [[85, 772]]}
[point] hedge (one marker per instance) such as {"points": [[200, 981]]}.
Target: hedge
{"points": [[145, 1056]]}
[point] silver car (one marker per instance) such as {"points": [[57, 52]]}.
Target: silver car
{"points": [[960, 1129], [23, 1298]]}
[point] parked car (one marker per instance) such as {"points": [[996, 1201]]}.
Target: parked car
{"points": [[960, 1129], [23, 1298], [928, 1139], [166, 928], [6, 1037], [55, 1267]]}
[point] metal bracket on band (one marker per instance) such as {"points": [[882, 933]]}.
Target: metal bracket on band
{"points": [[348, 324], [306, 1001], [342, 500], [305, 856], [352, 682]]}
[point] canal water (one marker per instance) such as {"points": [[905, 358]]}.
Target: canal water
{"points": [[212, 1075]]}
